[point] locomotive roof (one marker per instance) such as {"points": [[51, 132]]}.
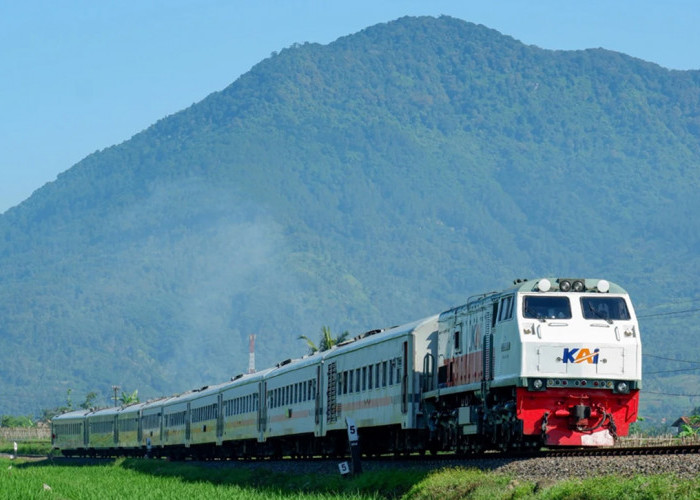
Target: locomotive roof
{"points": [[530, 286], [591, 285]]}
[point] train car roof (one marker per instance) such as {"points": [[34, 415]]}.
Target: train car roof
{"points": [[71, 414], [104, 411], [379, 336], [132, 407], [247, 378], [294, 364]]}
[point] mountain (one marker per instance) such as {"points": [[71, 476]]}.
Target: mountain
{"points": [[365, 183]]}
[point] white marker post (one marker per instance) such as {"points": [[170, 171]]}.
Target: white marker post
{"points": [[354, 439]]}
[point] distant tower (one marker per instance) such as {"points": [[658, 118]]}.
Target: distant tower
{"points": [[251, 350]]}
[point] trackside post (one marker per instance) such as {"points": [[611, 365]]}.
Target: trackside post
{"points": [[354, 439]]}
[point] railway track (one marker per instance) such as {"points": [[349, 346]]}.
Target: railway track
{"points": [[624, 451]]}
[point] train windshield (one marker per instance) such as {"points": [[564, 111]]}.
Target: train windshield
{"points": [[607, 308], [546, 307]]}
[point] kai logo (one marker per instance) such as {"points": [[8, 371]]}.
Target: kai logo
{"points": [[581, 355]]}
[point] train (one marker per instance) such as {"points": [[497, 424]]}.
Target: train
{"points": [[548, 362]]}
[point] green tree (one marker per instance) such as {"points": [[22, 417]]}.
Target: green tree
{"points": [[14, 421], [692, 429], [129, 399], [89, 401], [327, 340]]}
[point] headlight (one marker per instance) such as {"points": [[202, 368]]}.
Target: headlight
{"points": [[544, 285], [537, 384], [578, 286], [622, 387], [565, 285]]}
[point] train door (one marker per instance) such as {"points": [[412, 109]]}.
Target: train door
{"points": [[219, 419], [139, 427], [161, 418], [86, 434], [188, 427], [262, 410], [318, 408], [404, 378], [116, 430]]}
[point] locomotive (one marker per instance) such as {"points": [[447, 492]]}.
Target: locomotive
{"points": [[547, 362]]}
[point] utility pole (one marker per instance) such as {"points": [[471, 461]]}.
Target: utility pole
{"points": [[115, 388]]}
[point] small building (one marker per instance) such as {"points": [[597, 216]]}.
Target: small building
{"points": [[693, 423]]}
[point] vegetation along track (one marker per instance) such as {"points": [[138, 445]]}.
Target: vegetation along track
{"points": [[542, 466]]}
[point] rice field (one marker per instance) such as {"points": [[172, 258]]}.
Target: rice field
{"points": [[159, 479]]}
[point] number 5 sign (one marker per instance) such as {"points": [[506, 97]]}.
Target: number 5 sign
{"points": [[352, 431]]}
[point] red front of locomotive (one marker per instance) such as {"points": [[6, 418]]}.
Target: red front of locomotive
{"points": [[581, 417]]}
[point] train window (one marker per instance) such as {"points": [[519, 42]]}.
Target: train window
{"points": [[350, 384], [546, 307], [506, 309], [456, 340], [345, 382], [364, 378], [391, 371], [378, 375], [296, 394], [607, 308], [369, 378], [384, 369]]}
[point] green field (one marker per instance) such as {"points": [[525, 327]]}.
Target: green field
{"points": [[159, 479]]}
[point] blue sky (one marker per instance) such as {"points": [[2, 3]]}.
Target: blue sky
{"points": [[77, 76]]}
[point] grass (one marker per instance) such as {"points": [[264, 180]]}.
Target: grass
{"points": [[159, 479], [26, 447]]}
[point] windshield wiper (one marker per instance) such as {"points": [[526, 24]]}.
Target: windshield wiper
{"points": [[536, 315], [592, 309]]}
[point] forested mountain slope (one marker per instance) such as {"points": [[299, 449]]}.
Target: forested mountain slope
{"points": [[365, 183]]}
